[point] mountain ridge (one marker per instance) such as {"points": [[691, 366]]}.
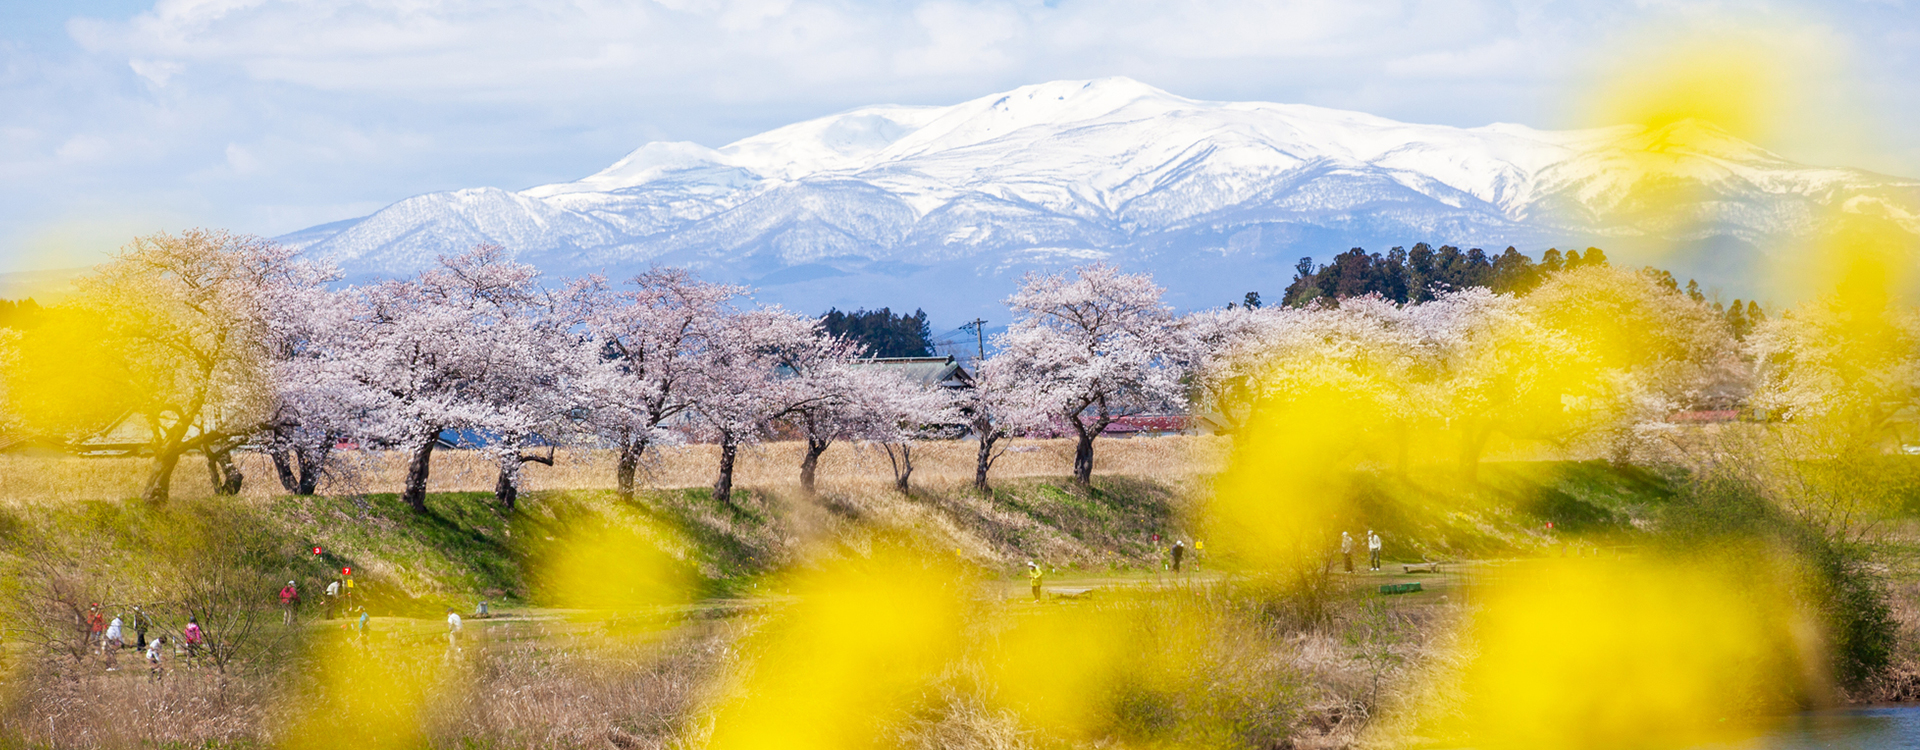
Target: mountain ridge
{"points": [[940, 207]]}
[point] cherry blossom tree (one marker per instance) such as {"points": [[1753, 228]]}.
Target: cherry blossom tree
{"points": [[651, 346], [832, 398], [1594, 351], [317, 402], [743, 390], [468, 344], [1644, 350], [896, 411], [1095, 347], [1225, 353], [179, 332], [996, 409], [1366, 355], [1851, 362]]}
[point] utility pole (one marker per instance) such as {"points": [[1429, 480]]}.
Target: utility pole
{"points": [[979, 334]]}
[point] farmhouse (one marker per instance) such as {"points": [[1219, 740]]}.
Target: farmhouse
{"points": [[944, 372]]}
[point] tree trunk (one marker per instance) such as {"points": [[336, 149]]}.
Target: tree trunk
{"points": [[903, 467], [1471, 446], [629, 465], [160, 478], [513, 466], [417, 468], [1083, 456], [506, 489], [225, 476], [723, 484], [810, 465], [313, 462], [284, 469], [983, 462]]}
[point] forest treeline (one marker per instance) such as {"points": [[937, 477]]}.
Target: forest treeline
{"points": [[885, 333], [1424, 273]]}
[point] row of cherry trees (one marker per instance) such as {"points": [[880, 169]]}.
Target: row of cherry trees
{"points": [[221, 341], [478, 345]]}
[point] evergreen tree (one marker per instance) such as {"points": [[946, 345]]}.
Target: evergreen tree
{"points": [[1252, 301], [1665, 277], [1398, 276], [1305, 287], [1418, 275], [1478, 269], [1514, 273], [884, 333], [1420, 270], [1737, 320]]}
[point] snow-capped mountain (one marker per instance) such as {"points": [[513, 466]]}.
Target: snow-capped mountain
{"points": [[943, 207]]}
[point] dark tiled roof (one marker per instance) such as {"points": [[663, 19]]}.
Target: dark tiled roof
{"points": [[942, 371]]}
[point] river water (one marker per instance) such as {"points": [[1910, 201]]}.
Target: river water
{"points": [[1869, 728]]}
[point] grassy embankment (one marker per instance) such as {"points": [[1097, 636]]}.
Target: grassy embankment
{"points": [[466, 549], [1329, 674]]}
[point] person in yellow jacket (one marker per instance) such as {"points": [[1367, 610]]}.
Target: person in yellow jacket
{"points": [[1034, 577]]}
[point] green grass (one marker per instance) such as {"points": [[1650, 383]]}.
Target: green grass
{"points": [[465, 548]]}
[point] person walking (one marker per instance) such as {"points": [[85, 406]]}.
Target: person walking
{"points": [[289, 598], [363, 628], [140, 624], [114, 643], [1034, 577], [333, 596], [153, 657], [1179, 553], [453, 631], [1373, 550], [194, 638], [1346, 549], [96, 628]]}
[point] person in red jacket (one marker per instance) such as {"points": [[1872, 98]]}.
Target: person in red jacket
{"points": [[289, 598], [96, 629]]}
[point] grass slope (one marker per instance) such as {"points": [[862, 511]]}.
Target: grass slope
{"points": [[465, 548]]}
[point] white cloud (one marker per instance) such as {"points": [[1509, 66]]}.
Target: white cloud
{"points": [[266, 116], [547, 50], [157, 71]]}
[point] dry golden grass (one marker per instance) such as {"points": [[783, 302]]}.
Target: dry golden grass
{"points": [[58, 708], [1239, 681], [1174, 459]]}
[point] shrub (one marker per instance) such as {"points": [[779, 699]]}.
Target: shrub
{"points": [[1721, 513]]}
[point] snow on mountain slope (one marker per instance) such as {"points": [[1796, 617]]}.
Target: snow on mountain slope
{"points": [[936, 201]]}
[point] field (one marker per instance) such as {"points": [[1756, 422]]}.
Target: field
{"points": [[936, 464]]}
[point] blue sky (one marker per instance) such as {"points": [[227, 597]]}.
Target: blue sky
{"points": [[120, 118]]}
